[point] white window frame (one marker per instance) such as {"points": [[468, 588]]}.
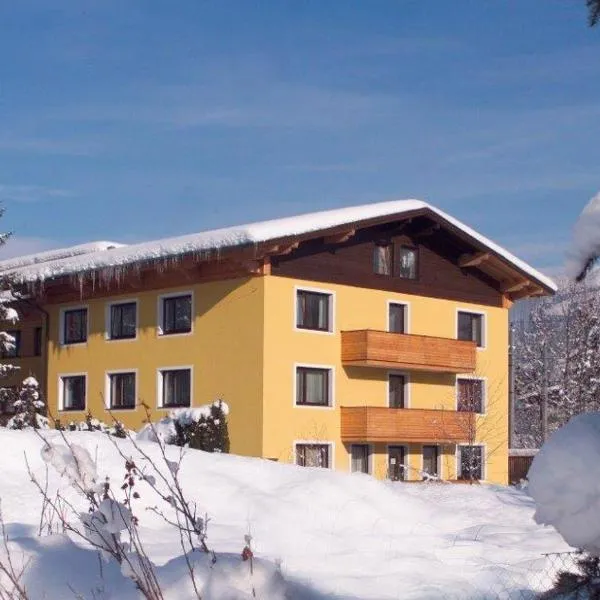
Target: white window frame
{"points": [[407, 315], [331, 445], [61, 324], [407, 390], [407, 456], [484, 400], [107, 389], [331, 369], [108, 319], [484, 459], [439, 464], [484, 331], [160, 313], [159, 386], [369, 458], [61, 392], [331, 294]]}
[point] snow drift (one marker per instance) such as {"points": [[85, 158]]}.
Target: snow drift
{"points": [[564, 481], [317, 534]]}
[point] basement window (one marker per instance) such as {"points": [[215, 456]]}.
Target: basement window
{"points": [[313, 455]]}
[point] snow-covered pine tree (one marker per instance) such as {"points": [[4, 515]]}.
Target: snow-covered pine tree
{"points": [[28, 407], [8, 315]]}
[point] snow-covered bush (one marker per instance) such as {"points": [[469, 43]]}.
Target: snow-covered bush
{"points": [[564, 481], [201, 428], [28, 407], [117, 429]]}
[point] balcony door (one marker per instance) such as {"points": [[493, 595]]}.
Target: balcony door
{"points": [[396, 391], [396, 463], [430, 461]]}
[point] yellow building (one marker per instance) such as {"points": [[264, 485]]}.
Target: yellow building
{"points": [[372, 338]]}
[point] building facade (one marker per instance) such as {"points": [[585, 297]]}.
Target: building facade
{"points": [[371, 339]]}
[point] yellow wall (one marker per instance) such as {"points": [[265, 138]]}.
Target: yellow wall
{"points": [[224, 349], [244, 348], [358, 308]]}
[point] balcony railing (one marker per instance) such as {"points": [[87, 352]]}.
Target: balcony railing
{"points": [[382, 424], [385, 350]]}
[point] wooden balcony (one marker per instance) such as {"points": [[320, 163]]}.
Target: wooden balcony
{"points": [[382, 424], [381, 349]]}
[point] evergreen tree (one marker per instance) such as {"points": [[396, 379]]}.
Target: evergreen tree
{"points": [[28, 407]]}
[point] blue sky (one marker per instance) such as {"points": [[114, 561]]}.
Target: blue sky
{"points": [[143, 119]]}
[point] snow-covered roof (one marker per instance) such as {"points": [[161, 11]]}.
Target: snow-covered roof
{"points": [[209, 242], [47, 256]]}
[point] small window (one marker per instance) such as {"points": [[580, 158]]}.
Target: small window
{"points": [[360, 458], [313, 455], [177, 314], [37, 341], [73, 392], [396, 391], [408, 262], [312, 386], [123, 321], [470, 463], [397, 318], [313, 310], [11, 346], [75, 326], [470, 395], [176, 388], [382, 259], [470, 327], [122, 390]]}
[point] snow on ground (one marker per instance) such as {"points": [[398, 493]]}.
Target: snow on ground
{"points": [[337, 536]]}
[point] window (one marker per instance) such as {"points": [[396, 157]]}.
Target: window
{"points": [[312, 386], [122, 390], [75, 326], [470, 327], [396, 391], [37, 341], [176, 388], [360, 458], [397, 317], [123, 321], [470, 395], [313, 310], [430, 461], [408, 262], [177, 314], [382, 259], [470, 463], [11, 348], [73, 392], [312, 455]]}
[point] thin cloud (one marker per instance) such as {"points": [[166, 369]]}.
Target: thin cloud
{"points": [[32, 193]]}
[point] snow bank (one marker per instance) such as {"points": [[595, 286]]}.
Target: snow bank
{"points": [[209, 243], [586, 239], [323, 534], [564, 481]]}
